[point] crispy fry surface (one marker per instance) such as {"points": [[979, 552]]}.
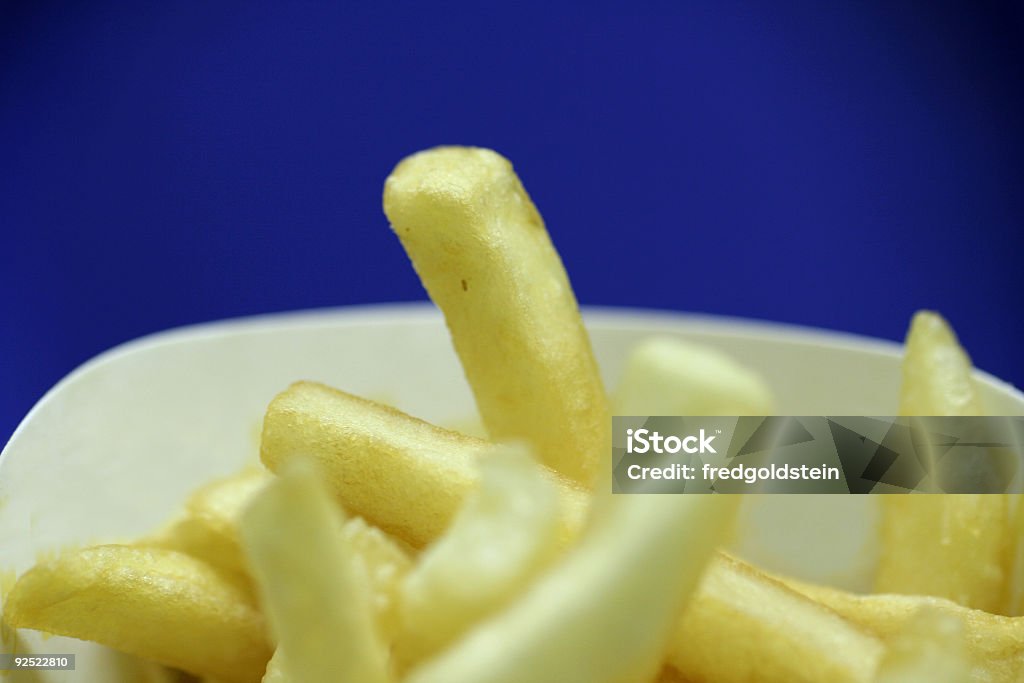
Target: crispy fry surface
{"points": [[402, 474], [482, 251], [155, 603], [742, 625], [994, 643]]}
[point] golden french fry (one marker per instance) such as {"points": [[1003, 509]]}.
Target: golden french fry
{"points": [[929, 650], [484, 256], [743, 625], [936, 371], [605, 613], [402, 474], [208, 530], [311, 590], [994, 643], [669, 376], [503, 536], [155, 603], [208, 527], [947, 545]]}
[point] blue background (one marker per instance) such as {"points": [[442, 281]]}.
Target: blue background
{"points": [[831, 164]]}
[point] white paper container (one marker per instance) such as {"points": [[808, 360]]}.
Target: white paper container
{"points": [[114, 448]]}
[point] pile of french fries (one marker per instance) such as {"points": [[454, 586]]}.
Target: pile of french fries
{"points": [[373, 547]]}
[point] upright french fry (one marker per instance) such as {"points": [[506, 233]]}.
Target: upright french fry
{"points": [[312, 593], [155, 603], [947, 545], [606, 612], [402, 474], [930, 649], [742, 625], [503, 536], [484, 256], [936, 371], [994, 643], [669, 376]]}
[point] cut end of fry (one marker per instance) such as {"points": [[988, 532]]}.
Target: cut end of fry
{"points": [[482, 251], [314, 597], [669, 376], [448, 179], [505, 534], [937, 376]]}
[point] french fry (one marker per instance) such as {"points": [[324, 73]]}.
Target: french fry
{"points": [[503, 536], [742, 625], [275, 670], [384, 563], [485, 257], [209, 530], [929, 650], [936, 371], [994, 643], [154, 603], [947, 545], [402, 474], [208, 527], [313, 595], [605, 613], [669, 376]]}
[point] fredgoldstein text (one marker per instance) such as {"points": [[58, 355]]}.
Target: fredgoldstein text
{"points": [[646, 441]]}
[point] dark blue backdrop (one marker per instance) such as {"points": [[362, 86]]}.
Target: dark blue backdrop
{"points": [[832, 164]]}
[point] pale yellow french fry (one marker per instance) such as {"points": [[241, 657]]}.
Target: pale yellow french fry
{"points": [[384, 562], [669, 376], [158, 604], [275, 670], [208, 526], [208, 529], [994, 643], [605, 613], [930, 649], [314, 597], [402, 474], [743, 625], [936, 371], [485, 257], [503, 536], [947, 545]]}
